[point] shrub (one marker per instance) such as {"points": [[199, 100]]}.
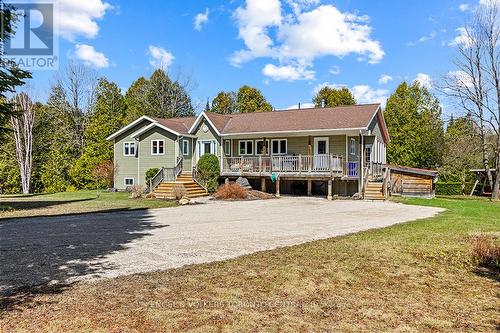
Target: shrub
{"points": [[209, 169], [453, 188], [151, 173], [178, 192], [231, 191], [485, 253], [104, 173], [137, 191]]}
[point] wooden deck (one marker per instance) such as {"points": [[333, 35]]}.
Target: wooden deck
{"points": [[290, 167]]}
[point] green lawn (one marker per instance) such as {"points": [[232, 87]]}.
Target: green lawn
{"points": [[72, 203], [412, 277]]}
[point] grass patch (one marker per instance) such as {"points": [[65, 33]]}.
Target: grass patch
{"points": [[412, 277], [72, 203]]}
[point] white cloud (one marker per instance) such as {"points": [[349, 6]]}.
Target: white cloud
{"points": [[287, 72], [298, 37], [78, 18], [463, 7], [384, 79], [160, 58], [365, 94], [362, 93], [423, 39], [335, 70], [460, 78], [253, 22], [90, 56], [424, 80], [201, 19], [327, 31], [490, 3], [463, 38]]}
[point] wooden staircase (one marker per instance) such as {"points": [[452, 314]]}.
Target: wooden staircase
{"points": [[185, 180], [374, 190]]}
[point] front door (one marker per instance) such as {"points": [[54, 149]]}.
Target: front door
{"points": [[321, 151], [207, 147]]}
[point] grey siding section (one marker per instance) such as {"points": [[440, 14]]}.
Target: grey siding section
{"points": [[147, 160], [126, 166], [209, 135]]}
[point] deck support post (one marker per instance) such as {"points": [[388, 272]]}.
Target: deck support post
{"points": [[330, 185], [278, 187], [263, 184], [309, 187], [226, 181]]}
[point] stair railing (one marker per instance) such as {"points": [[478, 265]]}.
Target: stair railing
{"points": [[198, 179], [386, 183], [365, 181], [178, 167], [156, 180]]}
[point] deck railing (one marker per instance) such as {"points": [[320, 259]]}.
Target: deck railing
{"points": [[284, 164]]}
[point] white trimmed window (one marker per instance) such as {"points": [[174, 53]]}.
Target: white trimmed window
{"points": [[185, 147], [129, 149], [246, 147], [352, 147], [129, 181], [227, 147], [279, 147], [158, 147], [260, 147]]}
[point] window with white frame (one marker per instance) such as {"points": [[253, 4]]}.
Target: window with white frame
{"points": [[261, 148], [279, 147], [129, 149], [227, 147], [352, 147], [158, 147], [185, 147], [129, 181], [246, 147]]}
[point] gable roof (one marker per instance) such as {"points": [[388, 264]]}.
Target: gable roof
{"points": [[176, 126], [342, 117], [352, 117]]}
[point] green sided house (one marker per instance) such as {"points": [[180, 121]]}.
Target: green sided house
{"points": [[325, 151]]}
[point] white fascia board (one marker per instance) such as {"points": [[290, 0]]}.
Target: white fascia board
{"points": [[150, 126], [132, 124], [339, 131], [197, 123]]}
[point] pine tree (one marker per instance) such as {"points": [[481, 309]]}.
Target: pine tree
{"points": [[108, 117], [413, 117]]}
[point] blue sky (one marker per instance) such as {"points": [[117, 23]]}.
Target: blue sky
{"points": [[285, 48]]}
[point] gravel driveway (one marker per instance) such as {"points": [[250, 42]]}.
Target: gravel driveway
{"points": [[67, 248]]}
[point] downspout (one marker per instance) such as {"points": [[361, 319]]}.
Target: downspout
{"points": [[361, 162]]}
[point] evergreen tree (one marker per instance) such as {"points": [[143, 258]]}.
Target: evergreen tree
{"points": [[207, 106], [413, 117], [107, 117], [157, 97], [10, 74], [61, 151], [250, 99], [331, 97], [224, 103], [136, 101]]}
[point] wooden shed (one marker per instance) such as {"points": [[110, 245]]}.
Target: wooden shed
{"points": [[412, 182]]}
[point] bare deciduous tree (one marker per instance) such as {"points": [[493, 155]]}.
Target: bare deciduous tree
{"points": [[476, 83], [22, 132], [77, 85]]}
